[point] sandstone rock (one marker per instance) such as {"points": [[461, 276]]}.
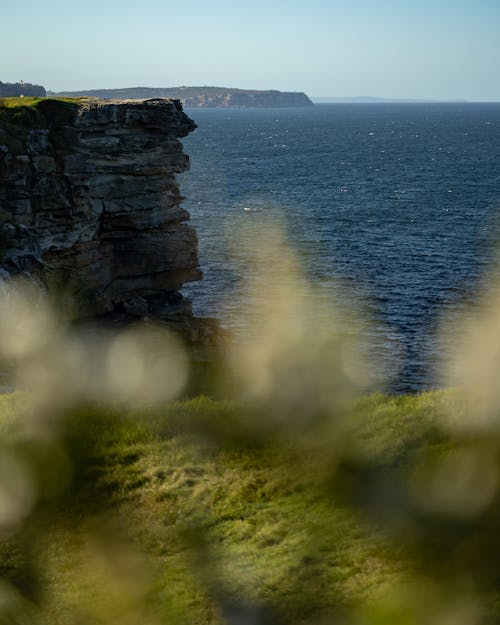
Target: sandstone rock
{"points": [[137, 307], [93, 207]]}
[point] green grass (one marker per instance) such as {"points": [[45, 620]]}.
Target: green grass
{"points": [[210, 519], [20, 115], [14, 102], [33, 102]]}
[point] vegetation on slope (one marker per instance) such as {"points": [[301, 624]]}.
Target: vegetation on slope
{"points": [[180, 515], [21, 88], [29, 113]]}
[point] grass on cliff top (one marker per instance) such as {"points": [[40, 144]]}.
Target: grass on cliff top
{"points": [[19, 115], [31, 102], [166, 521]]}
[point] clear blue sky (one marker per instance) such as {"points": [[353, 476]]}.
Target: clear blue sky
{"points": [[387, 48]]}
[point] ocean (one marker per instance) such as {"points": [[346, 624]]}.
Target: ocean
{"points": [[394, 206]]}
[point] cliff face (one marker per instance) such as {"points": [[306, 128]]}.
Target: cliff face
{"points": [[207, 97], [247, 99], [91, 206]]}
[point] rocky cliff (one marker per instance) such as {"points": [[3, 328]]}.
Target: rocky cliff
{"points": [[90, 206], [206, 97]]}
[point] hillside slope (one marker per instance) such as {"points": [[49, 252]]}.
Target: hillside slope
{"points": [[181, 515]]}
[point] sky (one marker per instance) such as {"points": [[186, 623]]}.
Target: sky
{"points": [[429, 49]]}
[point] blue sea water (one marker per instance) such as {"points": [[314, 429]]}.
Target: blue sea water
{"points": [[397, 203]]}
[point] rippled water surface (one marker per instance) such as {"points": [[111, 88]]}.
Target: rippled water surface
{"points": [[397, 203]]}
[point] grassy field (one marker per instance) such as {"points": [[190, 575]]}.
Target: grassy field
{"points": [[183, 515]]}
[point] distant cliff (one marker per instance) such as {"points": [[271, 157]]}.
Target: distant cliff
{"points": [[14, 90], [204, 97], [90, 207]]}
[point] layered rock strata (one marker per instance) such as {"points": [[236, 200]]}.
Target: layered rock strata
{"points": [[91, 206]]}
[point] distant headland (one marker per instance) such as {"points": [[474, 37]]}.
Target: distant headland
{"points": [[19, 89], [202, 97]]}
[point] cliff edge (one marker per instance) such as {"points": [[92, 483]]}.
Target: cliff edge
{"points": [[90, 207]]}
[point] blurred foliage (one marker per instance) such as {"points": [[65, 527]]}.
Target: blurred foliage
{"points": [[205, 522], [299, 498]]}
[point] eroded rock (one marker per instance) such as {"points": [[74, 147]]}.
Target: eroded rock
{"points": [[90, 204]]}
